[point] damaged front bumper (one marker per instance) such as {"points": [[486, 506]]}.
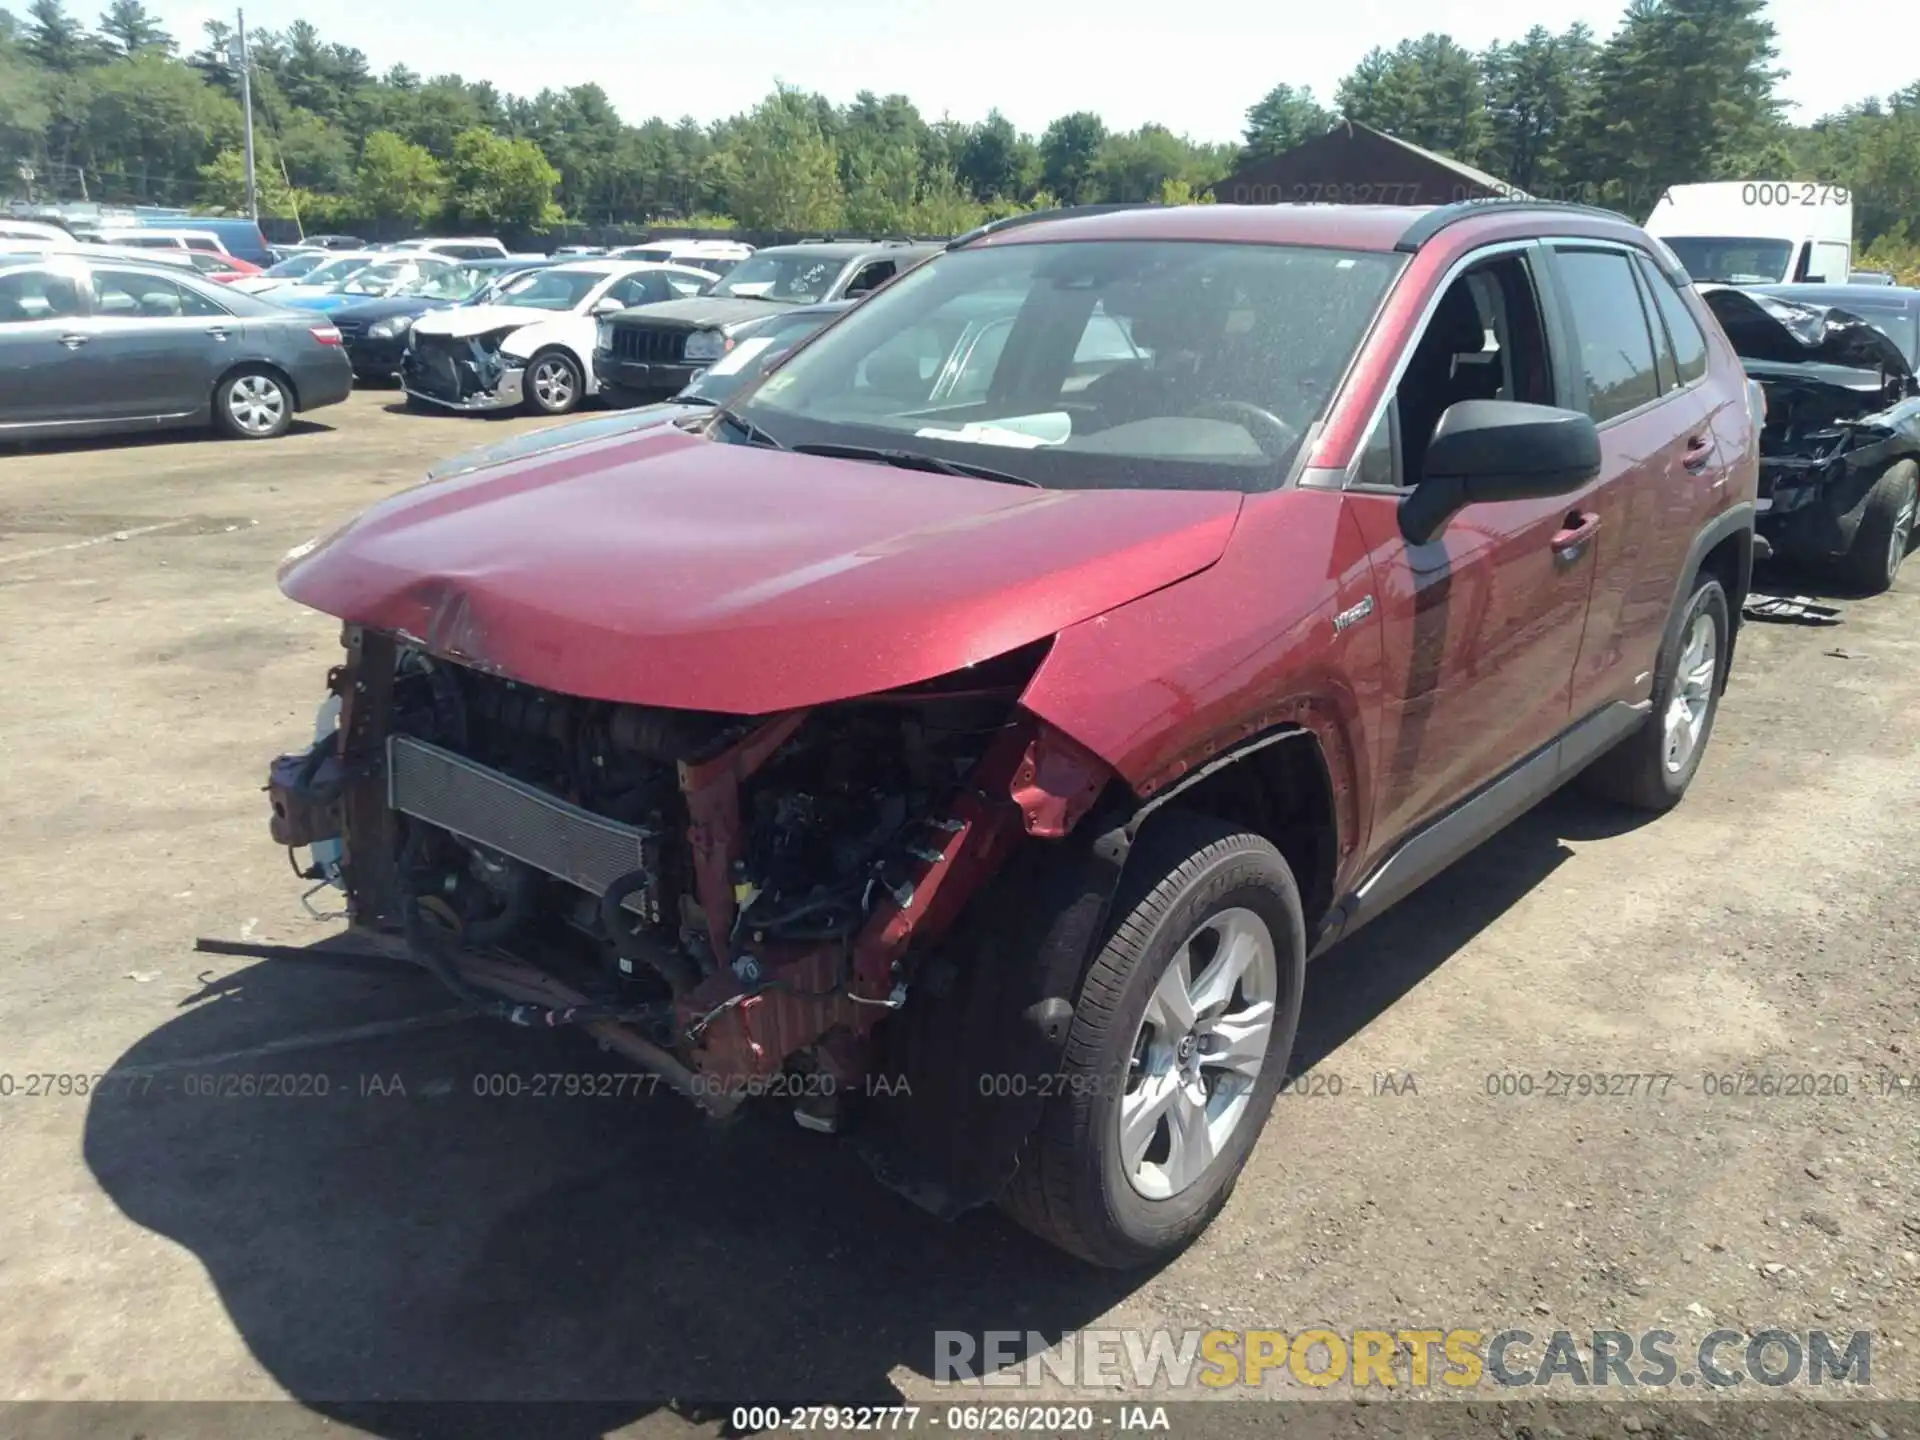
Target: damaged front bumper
{"points": [[648, 928], [460, 374]]}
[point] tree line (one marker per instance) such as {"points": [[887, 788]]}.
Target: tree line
{"points": [[120, 111]]}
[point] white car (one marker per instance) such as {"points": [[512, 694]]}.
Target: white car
{"points": [[533, 346], [719, 256], [332, 272], [458, 247]]}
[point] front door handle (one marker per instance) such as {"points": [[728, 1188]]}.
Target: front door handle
{"points": [[218, 332], [1698, 452], [74, 342], [1570, 541]]}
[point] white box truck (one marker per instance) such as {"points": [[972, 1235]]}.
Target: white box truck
{"points": [[1758, 232]]}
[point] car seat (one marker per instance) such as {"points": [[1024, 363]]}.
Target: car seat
{"points": [[1434, 381]]}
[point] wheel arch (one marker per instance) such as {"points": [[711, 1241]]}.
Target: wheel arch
{"points": [[278, 371], [1722, 548]]}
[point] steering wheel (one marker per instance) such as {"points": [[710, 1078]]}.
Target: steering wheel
{"points": [[1272, 434]]}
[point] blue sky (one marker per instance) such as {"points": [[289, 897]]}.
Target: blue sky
{"points": [[1192, 67]]}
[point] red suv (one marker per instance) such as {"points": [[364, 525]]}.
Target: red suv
{"points": [[967, 733]]}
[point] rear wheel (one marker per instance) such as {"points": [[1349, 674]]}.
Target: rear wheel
{"points": [[1652, 768], [1181, 1032], [1885, 533], [252, 403], [553, 384]]}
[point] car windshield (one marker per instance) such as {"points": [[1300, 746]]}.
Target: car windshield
{"points": [[390, 276], [795, 277], [550, 289], [448, 282], [1732, 260], [293, 265], [1118, 364], [336, 272], [756, 349]]}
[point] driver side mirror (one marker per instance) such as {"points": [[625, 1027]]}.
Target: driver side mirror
{"points": [[606, 306], [1486, 450]]}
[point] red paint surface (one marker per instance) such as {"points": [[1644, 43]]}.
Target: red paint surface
{"points": [[671, 570]]}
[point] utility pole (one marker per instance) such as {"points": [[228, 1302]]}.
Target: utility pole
{"points": [[243, 61]]}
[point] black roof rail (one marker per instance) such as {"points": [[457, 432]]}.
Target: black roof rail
{"points": [[1441, 216], [1031, 217]]}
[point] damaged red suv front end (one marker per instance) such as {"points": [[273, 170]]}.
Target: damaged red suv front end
{"points": [[630, 739]]}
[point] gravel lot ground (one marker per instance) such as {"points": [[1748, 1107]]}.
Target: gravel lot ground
{"points": [[402, 1238]]}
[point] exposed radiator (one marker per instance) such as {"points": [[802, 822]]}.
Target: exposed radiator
{"points": [[511, 817]]}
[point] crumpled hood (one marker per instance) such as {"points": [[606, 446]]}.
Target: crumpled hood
{"points": [[1775, 329], [662, 568], [463, 320]]}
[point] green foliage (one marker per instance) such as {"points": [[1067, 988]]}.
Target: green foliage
{"points": [[779, 170], [398, 181], [1069, 153], [1282, 118], [494, 181]]}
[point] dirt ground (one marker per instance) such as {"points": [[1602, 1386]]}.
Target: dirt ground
{"points": [[400, 1237]]}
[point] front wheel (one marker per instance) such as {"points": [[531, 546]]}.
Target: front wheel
{"points": [[553, 384], [1885, 532], [1181, 1032]]}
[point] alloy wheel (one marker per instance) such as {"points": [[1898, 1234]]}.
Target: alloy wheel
{"points": [[553, 383], [1687, 710], [1198, 1053], [1902, 537], [256, 403]]}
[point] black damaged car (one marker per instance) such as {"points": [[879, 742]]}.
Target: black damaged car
{"points": [[1840, 453]]}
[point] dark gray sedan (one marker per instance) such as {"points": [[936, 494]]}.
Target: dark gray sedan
{"points": [[91, 347]]}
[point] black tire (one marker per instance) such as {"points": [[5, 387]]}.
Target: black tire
{"points": [[1885, 532], [570, 384], [252, 402], [1636, 772], [1071, 1187]]}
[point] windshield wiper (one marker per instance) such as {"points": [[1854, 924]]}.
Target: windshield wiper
{"points": [[914, 460], [746, 429]]}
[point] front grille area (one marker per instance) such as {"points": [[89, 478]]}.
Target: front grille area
{"points": [[509, 816], [648, 345]]}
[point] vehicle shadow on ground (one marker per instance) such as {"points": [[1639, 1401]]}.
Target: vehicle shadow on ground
{"points": [[146, 439], [408, 1236], [1362, 977]]}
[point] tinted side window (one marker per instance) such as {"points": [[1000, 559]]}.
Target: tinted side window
{"points": [[127, 294], [37, 295], [1689, 345], [871, 277], [1662, 347], [1614, 348]]}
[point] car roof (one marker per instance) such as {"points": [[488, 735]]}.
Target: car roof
{"points": [[1347, 227], [851, 249], [588, 265]]}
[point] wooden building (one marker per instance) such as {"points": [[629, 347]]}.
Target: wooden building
{"points": [[1354, 164]]}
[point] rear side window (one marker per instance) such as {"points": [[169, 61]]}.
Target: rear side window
{"points": [[1614, 346], [129, 295], [1689, 344], [1662, 347]]}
